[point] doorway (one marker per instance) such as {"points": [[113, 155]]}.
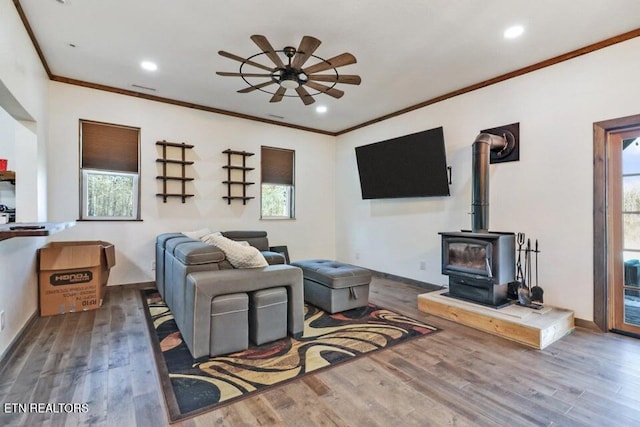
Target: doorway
{"points": [[617, 225]]}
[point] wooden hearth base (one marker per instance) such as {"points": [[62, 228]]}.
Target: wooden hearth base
{"points": [[534, 328]]}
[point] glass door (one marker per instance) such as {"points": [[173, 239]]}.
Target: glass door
{"points": [[625, 166]]}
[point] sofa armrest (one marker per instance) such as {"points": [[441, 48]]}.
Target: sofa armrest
{"points": [[273, 258], [282, 250], [202, 287]]}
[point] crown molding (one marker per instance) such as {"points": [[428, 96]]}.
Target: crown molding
{"points": [[519, 72]]}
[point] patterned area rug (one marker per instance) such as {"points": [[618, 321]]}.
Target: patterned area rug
{"points": [[192, 386]]}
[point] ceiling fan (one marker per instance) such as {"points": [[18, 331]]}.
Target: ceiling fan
{"points": [[293, 74]]}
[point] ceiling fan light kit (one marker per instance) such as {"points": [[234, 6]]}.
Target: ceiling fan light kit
{"points": [[291, 75]]}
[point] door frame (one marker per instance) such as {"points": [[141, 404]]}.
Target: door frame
{"points": [[603, 257]]}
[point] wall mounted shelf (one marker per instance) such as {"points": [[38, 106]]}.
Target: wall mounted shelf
{"points": [[8, 176], [182, 179], [232, 182]]}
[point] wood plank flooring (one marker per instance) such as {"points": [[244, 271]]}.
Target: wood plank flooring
{"points": [[459, 376]]}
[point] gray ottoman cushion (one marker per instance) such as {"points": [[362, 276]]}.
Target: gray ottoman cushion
{"points": [[267, 315], [334, 274], [229, 324], [334, 286]]}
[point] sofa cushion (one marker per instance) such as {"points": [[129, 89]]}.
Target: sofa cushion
{"points": [[195, 253], [257, 239], [239, 255], [162, 239], [172, 244]]}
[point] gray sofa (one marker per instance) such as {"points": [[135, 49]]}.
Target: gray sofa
{"points": [[191, 273]]}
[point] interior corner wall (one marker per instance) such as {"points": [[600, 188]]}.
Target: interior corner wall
{"points": [[23, 95], [311, 234], [548, 194]]}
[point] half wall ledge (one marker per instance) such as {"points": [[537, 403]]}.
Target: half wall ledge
{"points": [[32, 229]]}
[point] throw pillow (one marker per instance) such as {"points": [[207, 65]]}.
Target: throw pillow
{"points": [[207, 237], [239, 255], [196, 234]]}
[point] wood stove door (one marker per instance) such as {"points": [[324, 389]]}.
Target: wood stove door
{"points": [[624, 206]]}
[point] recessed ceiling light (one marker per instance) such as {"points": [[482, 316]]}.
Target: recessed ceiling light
{"points": [[321, 109], [513, 32], [149, 66]]}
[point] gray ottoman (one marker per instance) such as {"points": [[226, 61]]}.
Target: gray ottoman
{"points": [[334, 286], [267, 315], [229, 325]]}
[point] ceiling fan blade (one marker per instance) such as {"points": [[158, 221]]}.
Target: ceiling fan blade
{"points": [[308, 45], [304, 95], [336, 93], [277, 97], [224, 73], [335, 62], [266, 47], [348, 79], [252, 88], [241, 59]]}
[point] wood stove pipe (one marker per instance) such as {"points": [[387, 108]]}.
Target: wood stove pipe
{"points": [[482, 147]]}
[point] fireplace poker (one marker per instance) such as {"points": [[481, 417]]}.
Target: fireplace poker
{"points": [[536, 291], [519, 275], [524, 291], [528, 268]]}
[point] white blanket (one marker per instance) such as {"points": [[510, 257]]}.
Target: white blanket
{"points": [[239, 254]]}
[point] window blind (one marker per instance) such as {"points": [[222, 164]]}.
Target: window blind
{"points": [[277, 166], [109, 147]]}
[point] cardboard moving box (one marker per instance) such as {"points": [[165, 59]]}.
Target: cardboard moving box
{"points": [[73, 275]]}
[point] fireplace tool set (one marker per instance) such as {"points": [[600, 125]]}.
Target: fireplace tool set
{"points": [[527, 294]]}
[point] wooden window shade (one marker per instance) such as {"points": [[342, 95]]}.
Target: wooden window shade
{"points": [[109, 147], [277, 166]]}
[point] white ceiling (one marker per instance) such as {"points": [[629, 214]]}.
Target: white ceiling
{"points": [[408, 51]]}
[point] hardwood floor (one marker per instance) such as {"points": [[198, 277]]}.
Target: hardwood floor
{"points": [[458, 376]]}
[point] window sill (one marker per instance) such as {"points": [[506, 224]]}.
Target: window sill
{"points": [[276, 218], [109, 220]]}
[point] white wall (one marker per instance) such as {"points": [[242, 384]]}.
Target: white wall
{"points": [[23, 94], [311, 234], [7, 151], [548, 194]]}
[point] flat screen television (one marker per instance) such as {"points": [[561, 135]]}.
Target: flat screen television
{"points": [[408, 166]]}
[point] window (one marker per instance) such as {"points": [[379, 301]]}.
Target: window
{"points": [[277, 190], [110, 171]]}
